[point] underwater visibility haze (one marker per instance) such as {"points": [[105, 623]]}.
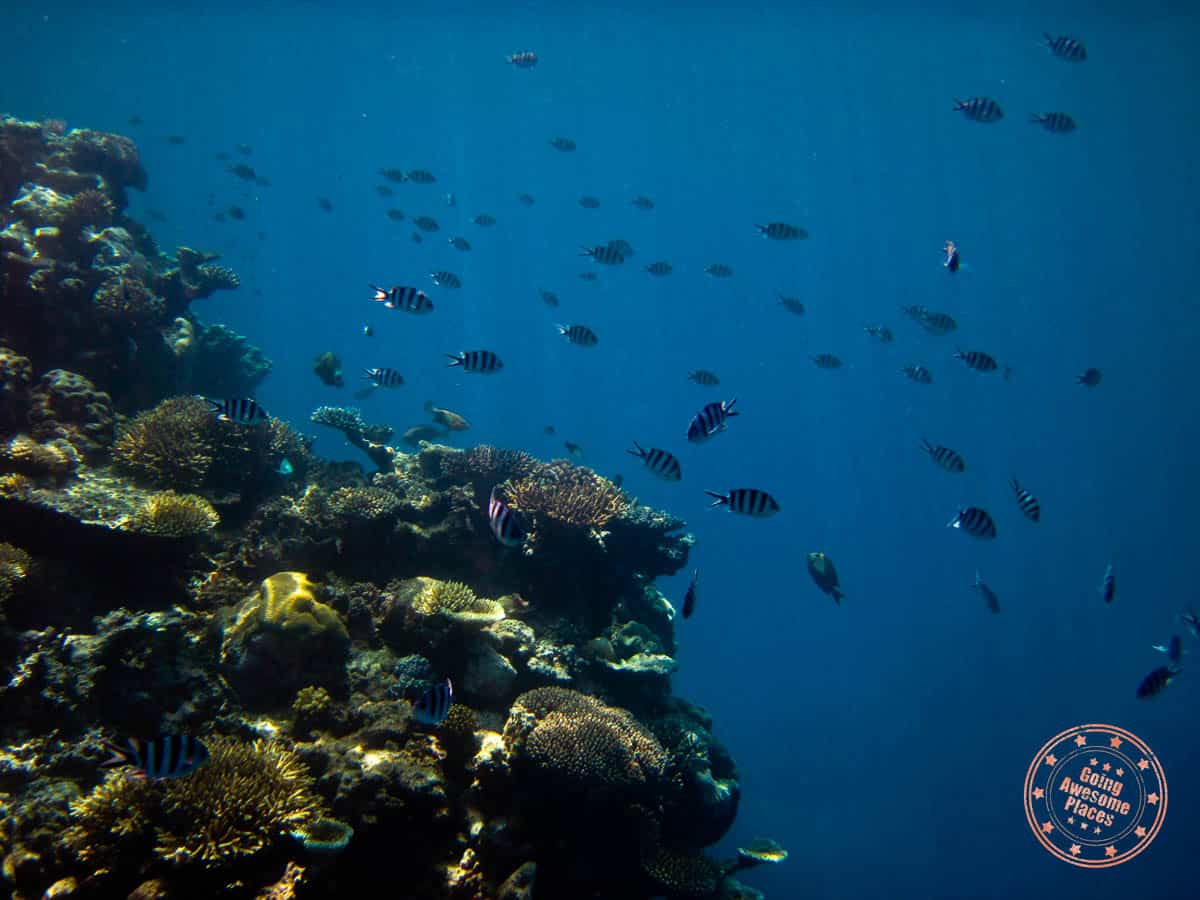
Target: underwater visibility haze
{"points": [[461, 450]]}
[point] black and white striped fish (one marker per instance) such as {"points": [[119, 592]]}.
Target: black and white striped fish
{"points": [[383, 377], [710, 420], [167, 756], [988, 595], [239, 410], [1108, 585], [446, 279], [526, 59], [1026, 501], [460, 243], [563, 144], [622, 246], [605, 254], [483, 220], [791, 304], [660, 462], [434, 705], [504, 522], [826, 361], [658, 269], [747, 501], [406, 299], [1157, 681], [1173, 648], [938, 323], [484, 362], [704, 378], [979, 109], [782, 231], [718, 270], [919, 374], [1058, 122], [580, 335], [421, 176], [881, 333], [427, 223], [944, 457], [587, 201], [975, 521], [689, 599], [977, 360], [1068, 48]]}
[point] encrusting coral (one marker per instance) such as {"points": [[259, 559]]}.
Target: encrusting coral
{"points": [[246, 799], [172, 515]]}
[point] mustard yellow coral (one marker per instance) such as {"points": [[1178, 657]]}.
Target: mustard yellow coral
{"points": [[168, 514], [286, 602], [248, 797], [15, 565], [457, 601]]}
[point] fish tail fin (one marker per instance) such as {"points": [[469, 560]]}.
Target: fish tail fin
{"points": [[721, 499], [380, 293], [454, 360], [121, 756], [762, 229], [585, 251], [729, 407], [639, 452], [837, 595], [562, 329], [958, 104]]}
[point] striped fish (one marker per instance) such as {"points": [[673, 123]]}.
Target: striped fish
{"points": [[988, 595], [587, 201], [580, 335], [718, 270], [660, 462], [427, 223], [505, 524], [460, 243], [1058, 122], [239, 410], [1068, 48], [526, 59], [1027, 502], [483, 220], [826, 361], [642, 202], [919, 374], [881, 333], [446, 280], [979, 109], [977, 360], [1157, 681], [484, 362], [944, 457], [434, 705], [622, 246], [407, 299], [421, 176], [747, 501], [704, 378], [975, 521], [710, 420], [605, 254], [563, 144], [1108, 585], [167, 756], [658, 269], [782, 231], [689, 599], [1173, 648], [791, 304], [383, 377]]}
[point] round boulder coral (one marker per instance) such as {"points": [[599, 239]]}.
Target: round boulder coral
{"points": [[68, 406]]}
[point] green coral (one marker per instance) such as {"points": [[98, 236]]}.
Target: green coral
{"points": [[456, 601], [168, 514], [248, 798]]}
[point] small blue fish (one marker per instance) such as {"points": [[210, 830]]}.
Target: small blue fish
{"points": [[689, 599], [434, 705], [1108, 585], [167, 756], [285, 467]]}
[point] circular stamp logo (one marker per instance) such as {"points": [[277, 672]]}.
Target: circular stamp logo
{"points": [[1095, 796]]}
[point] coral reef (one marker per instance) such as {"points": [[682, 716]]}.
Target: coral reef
{"points": [[456, 601], [569, 495], [368, 438], [64, 405], [15, 565], [172, 515]]}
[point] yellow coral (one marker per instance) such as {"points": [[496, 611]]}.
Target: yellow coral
{"points": [[171, 444], [286, 602], [168, 514], [25, 455], [15, 565], [363, 502], [457, 601], [246, 798]]}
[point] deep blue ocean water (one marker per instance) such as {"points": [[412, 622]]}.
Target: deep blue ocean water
{"points": [[884, 742]]}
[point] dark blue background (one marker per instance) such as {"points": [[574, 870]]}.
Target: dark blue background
{"points": [[883, 742]]}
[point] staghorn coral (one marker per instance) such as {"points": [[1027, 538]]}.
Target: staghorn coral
{"points": [[65, 405], [170, 444], [248, 798], [363, 503], [560, 737], [568, 494], [172, 515], [455, 600]]}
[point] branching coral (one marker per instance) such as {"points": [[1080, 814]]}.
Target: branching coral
{"points": [[574, 740], [571, 495], [457, 601], [363, 503], [170, 444], [248, 797], [368, 438], [175, 516], [482, 466]]}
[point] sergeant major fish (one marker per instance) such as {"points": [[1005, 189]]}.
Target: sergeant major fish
{"points": [[383, 377], [1056, 122], [239, 410], [483, 362], [406, 299], [919, 374], [660, 462], [704, 378], [747, 501], [526, 59], [782, 231], [980, 109], [658, 269], [446, 279], [1027, 502], [167, 756], [579, 335], [977, 360], [711, 419], [944, 457], [1067, 48], [505, 523], [434, 705], [605, 254], [1108, 585], [792, 305], [975, 521]]}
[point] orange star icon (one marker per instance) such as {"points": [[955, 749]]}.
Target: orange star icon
{"points": [[1107, 766], [1051, 759], [1120, 773], [1115, 742], [1075, 850], [1038, 793], [1080, 740], [1070, 820], [1110, 851], [1047, 828], [1143, 765], [1152, 799], [1093, 761], [1140, 831]]}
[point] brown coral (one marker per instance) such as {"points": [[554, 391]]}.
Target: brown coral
{"points": [[363, 503], [568, 494], [127, 299], [172, 515], [15, 565], [486, 465], [682, 874], [246, 799], [456, 601], [65, 405], [170, 444], [25, 456]]}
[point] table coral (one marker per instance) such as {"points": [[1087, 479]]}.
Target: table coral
{"points": [[568, 494]]}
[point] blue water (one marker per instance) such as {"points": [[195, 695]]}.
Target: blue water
{"points": [[883, 742]]}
